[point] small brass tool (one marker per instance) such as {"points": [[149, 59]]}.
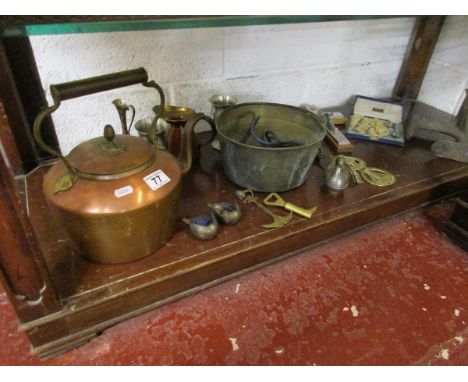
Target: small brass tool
{"points": [[275, 200], [247, 196]]}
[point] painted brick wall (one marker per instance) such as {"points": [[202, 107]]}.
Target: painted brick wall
{"points": [[324, 64]]}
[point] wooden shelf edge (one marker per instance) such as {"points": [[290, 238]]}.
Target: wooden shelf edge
{"points": [[95, 296], [93, 318]]}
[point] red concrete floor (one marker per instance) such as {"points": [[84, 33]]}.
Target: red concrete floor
{"points": [[392, 294]]}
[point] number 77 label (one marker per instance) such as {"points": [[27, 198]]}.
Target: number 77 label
{"points": [[156, 179]]}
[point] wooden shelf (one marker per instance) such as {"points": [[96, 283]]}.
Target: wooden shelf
{"points": [[62, 300], [95, 296]]}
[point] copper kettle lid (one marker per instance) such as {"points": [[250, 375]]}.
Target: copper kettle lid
{"points": [[111, 156]]}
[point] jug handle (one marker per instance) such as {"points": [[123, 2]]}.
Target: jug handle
{"points": [[87, 86], [186, 152]]}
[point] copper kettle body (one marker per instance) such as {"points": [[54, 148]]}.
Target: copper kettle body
{"points": [[116, 195]]}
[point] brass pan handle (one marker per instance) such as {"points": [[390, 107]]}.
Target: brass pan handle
{"points": [[74, 89]]}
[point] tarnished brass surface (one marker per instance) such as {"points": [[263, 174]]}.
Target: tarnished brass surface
{"points": [[247, 196], [203, 227], [221, 102], [111, 146], [174, 114], [64, 182], [156, 137], [226, 213], [274, 199], [377, 177], [122, 108], [267, 169], [362, 173], [354, 165]]}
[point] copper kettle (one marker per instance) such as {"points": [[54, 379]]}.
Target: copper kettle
{"points": [[115, 195]]}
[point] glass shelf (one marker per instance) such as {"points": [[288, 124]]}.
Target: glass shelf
{"points": [[31, 26]]}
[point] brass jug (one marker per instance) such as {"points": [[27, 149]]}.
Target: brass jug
{"points": [[115, 195]]}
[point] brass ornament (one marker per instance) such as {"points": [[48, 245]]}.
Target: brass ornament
{"points": [[355, 165], [362, 173], [247, 196], [377, 177]]}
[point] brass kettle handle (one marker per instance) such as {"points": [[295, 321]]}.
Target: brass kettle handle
{"points": [[87, 86], [186, 151]]}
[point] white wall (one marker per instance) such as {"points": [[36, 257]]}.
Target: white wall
{"points": [[447, 75], [318, 63]]}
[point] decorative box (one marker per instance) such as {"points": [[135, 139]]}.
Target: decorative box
{"points": [[376, 120]]}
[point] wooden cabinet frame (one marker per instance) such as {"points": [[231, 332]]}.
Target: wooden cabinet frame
{"points": [[56, 321]]}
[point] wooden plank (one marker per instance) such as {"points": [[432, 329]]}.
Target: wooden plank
{"points": [[30, 91], [9, 150], [23, 270], [422, 44], [17, 119]]}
